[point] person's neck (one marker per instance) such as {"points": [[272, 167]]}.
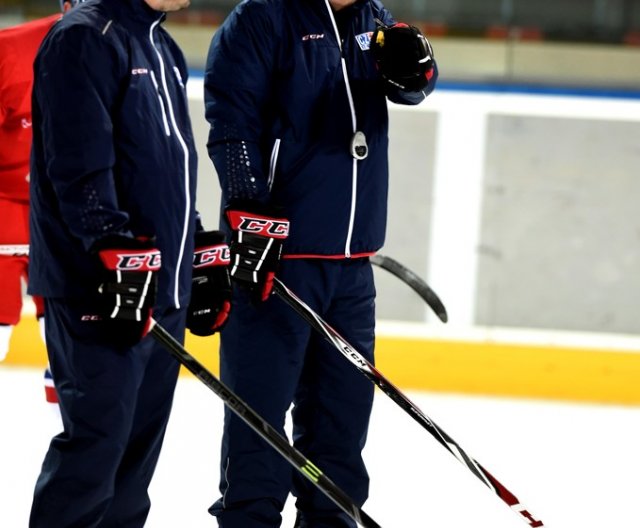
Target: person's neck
{"points": [[337, 5]]}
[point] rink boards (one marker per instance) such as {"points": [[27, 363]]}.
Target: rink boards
{"points": [[520, 211], [510, 363]]}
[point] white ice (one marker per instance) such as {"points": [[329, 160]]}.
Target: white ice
{"points": [[571, 465]]}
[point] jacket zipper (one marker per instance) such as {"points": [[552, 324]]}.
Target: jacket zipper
{"points": [[354, 125], [185, 149]]}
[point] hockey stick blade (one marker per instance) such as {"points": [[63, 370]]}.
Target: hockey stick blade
{"points": [[262, 428], [414, 281], [370, 372]]}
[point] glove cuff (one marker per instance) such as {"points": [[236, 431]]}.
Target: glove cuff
{"points": [[122, 241], [209, 238], [212, 254]]}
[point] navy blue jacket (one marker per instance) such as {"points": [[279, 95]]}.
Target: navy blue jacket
{"points": [[113, 150], [282, 123]]}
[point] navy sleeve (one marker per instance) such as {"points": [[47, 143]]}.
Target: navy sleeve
{"points": [[238, 84], [77, 80]]}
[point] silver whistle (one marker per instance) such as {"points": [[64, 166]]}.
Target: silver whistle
{"points": [[359, 148]]}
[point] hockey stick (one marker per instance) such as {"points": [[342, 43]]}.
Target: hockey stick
{"points": [[370, 372], [416, 283], [260, 426]]}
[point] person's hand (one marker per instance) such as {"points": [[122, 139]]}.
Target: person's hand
{"points": [[256, 246], [404, 56], [210, 285], [128, 288]]}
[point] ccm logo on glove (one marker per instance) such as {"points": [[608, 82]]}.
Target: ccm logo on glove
{"points": [[211, 256], [258, 225], [128, 286], [258, 232], [116, 259]]}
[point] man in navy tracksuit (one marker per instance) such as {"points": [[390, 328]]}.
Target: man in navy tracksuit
{"points": [[296, 94], [113, 182]]}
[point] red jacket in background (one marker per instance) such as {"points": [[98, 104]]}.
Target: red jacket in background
{"points": [[18, 47]]}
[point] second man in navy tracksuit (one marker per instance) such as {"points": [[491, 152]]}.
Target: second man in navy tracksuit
{"points": [[296, 94]]}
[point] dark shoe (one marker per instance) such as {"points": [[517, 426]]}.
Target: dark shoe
{"points": [[335, 520]]}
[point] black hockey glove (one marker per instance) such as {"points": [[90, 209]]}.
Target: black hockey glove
{"points": [[128, 290], [258, 235], [404, 56], [210, 284]]}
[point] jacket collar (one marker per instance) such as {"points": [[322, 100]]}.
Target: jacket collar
{"points": [[143, 13], [322, 2]]}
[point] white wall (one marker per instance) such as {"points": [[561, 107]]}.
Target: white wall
{"points": [[518, 209]]}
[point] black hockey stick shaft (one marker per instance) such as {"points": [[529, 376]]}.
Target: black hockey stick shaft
{"points": [[414, 281], [263, 428], [369, 371]]}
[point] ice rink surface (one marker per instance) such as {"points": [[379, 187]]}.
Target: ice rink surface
{"points": [[572, 465]]}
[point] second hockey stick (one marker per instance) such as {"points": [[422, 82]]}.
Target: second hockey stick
{"points": [[412, 280], [263, 428], [370, 372]]}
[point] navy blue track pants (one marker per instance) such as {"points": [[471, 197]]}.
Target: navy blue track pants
{"points": [[272, 358], [115, 404]]}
